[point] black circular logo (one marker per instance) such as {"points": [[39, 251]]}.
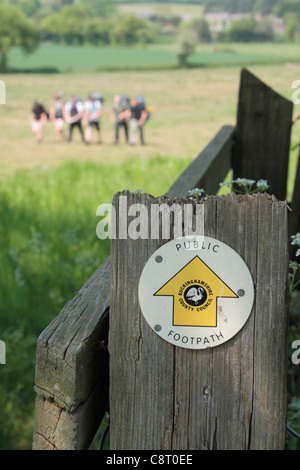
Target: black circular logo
{"points": [[195, 295]]}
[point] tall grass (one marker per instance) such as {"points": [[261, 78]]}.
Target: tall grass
{"points": [[49, 249]]}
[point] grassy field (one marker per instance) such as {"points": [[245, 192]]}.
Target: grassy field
{"points": [[49, 193], [190, 106], [65, 58]]}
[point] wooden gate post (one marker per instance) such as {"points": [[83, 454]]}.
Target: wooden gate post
{"points": [[262, 137], [232, 396]]}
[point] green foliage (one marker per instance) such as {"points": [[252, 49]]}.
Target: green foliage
{"points": [[249, 30], [293, 416], [294, 265], [15, 30], [265, 7], [186, 46], [68, 25], [105, 8], [246, 186], [292, 26], [129, 30], [16, 388], [293, 419], [78, 24], [201, 28], [29, 7], [97, 31], [287, 6]]}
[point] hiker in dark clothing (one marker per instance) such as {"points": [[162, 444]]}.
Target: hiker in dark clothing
{"points": [[57, 114], [38, 117], [74, 113], [119, 116], [137, 118]]}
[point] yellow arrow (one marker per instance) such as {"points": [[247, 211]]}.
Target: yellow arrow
{"points": [[195, 290]]}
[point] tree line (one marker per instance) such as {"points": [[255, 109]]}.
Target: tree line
{"points": [[24, 23]]}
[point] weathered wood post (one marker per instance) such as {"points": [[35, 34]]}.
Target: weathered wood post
{"points": [[226, 396], [262, 137]]}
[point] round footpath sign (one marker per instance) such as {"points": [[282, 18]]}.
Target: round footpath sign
{"points": [[196, 292]]}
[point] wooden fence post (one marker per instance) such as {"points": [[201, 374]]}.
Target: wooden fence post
{"points": [[233, 396], [263, 128], [72, 370]]}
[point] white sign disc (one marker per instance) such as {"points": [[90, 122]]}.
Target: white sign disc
{"points": [[196, 292]]}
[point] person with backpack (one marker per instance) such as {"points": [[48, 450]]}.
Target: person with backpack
{"points": [[119, 115], [138, 115], [92, 112], [38, 117], [74, 114], [57, 114]]}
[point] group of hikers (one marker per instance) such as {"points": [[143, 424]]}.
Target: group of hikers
{"points": [[129, 114]]}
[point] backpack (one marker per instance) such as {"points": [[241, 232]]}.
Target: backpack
{"points": [[142, 104], [97, 97], [125, 100]]}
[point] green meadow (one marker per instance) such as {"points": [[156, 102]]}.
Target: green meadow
{"points": [[49, 192], [64, 58]]}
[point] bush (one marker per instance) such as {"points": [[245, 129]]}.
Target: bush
{"points": [[186, 46], [249, 30]]}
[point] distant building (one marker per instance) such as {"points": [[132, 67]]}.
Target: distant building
{"points": [[221, 21], [278, 25]]}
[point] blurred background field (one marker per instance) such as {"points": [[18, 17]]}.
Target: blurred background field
{"points": [[49, 192], [68, 58]]}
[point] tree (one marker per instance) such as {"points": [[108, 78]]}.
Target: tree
{"points": [[292, 27], [265, 7], [68, 25], [130, 30], [249, 30], [29, 7], [287, 6], [186, 46], [201, 28], [15, 31], [97, 31], [104, 8]]}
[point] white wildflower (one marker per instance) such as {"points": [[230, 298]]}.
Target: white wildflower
{"points": [[196, 193], [262, 185]]}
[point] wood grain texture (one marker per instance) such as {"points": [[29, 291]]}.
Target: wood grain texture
{"points": [[232, 396], [262, 137], [70, 360]]}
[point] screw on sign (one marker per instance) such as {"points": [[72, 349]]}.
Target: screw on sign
{"points": [[196, 293]]}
